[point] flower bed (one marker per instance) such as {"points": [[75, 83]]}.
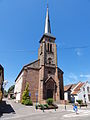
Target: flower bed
{"points": [[46, 106]]}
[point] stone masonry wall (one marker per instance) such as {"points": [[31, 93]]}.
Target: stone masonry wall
{"points": [[32, 77]]}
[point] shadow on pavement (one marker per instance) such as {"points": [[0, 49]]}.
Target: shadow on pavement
{"points": [[5, 108]]}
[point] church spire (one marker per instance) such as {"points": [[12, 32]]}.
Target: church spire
{"points": [[47, 22]]}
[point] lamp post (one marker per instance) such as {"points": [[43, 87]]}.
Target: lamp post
{"points": [[30, 95], [65, 104], [36, 94]]}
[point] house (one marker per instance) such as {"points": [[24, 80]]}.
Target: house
{"points": [[1, 81], [67, 92], [44, 76], [81, 92]]}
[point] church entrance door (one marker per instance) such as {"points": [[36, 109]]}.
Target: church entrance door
{"points": [[49, 93]]}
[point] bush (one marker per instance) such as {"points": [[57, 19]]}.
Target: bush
{"points": [[80, 102], [46, 105], [42, 107], [13, 97], [49, 101], [22, 101], [27, 102]]}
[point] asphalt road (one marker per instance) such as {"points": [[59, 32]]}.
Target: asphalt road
{"points": [[15, 111]]}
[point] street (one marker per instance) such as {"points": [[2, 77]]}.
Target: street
{"points": [[16, 111]]}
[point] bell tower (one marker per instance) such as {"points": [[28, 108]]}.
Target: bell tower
{"points": [[47, 51], [48, 73]]}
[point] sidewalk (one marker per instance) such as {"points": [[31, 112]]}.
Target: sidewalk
{"points": [[17, 110]]}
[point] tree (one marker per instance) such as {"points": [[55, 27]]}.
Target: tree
{"points": [[11, 88], [25, 97], [5, 94]]}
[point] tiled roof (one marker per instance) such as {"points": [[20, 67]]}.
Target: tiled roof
{"points": [[77, 89], [73, 85], [74, 92], [68, 87]]}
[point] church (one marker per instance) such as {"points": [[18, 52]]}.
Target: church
{"points": [[44, 76]]}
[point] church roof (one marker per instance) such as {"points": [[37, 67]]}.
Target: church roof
{"points": [[60, 70], [33, 65], [1, 66]]}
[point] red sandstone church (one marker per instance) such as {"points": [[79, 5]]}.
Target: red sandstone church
{"points": [[43, 75]]}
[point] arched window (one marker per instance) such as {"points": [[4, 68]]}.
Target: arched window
{"points": [[49, 72], [50, 47], [49, 60]]}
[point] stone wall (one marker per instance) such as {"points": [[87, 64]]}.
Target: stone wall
{"points": [[32, 77]]}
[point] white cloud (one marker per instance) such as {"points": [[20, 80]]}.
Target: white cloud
{"points": [[71, 78], [78, 52], [87, 77]]}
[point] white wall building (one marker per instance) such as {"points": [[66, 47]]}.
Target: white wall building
{"points": [[67, 92], [18, 87], [81, 92]]}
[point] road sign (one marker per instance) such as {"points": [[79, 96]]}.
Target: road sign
{"points": [[75, 108], [29, 94], [36, 94]]}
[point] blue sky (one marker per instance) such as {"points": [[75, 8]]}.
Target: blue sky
{"points": [[22, 25]]}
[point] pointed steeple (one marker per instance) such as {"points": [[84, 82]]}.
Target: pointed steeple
{"points": [[47, 22], [47, 31]]}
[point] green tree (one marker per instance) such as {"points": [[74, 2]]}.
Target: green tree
{"points": [[11, 88], [5, 93], [25, 97]]}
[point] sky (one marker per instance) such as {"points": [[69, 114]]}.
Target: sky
{"points": [[22, 26]]}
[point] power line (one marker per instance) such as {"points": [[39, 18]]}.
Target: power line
{"points": [[17, 51], [61, 47], [76, 47]]}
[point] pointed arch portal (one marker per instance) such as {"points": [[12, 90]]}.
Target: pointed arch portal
{"points": [[50, 88]]}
